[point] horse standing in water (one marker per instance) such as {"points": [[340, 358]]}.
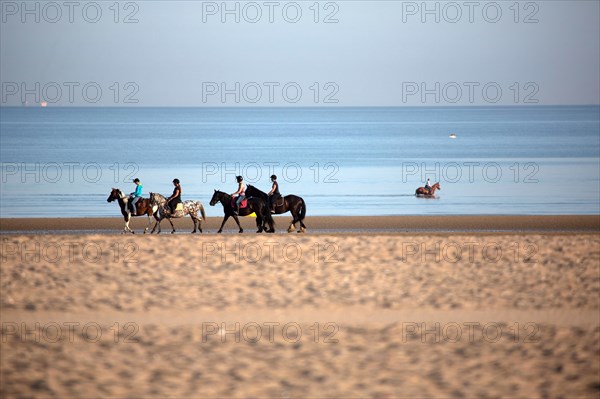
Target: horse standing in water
{"points": [[422, 191], [256, 205], [143, 208], [290, 203], [164, 212]]}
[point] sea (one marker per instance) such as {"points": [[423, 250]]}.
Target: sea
{"points": [[537, 160]]}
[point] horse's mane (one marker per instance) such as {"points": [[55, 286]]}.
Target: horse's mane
{"points": [[222, 192], [161, 199], [257, 189]]}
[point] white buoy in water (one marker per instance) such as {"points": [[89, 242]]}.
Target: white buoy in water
{"points": [[452, 136]]}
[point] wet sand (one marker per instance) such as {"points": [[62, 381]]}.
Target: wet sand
{"points": [[326, 223], [301, 315]]}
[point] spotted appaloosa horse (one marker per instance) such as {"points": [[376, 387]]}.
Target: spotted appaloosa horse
{"points": [[189, 208], [422, 191], [143, 208]]}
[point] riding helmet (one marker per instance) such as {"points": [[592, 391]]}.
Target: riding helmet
{"points": [[176, 181], [273, 177], [239, 178], [136, 180]]}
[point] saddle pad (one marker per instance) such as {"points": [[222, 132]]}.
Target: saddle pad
{"points": [[243, 204], [179, 207]]}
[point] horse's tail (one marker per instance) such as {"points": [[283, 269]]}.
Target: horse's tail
{"points": [[302, 210], [202, 212]]}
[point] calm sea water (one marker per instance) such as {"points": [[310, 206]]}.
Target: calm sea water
{"points": [[62, 162]]}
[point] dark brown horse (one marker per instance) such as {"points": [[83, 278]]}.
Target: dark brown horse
{"points": [[422, 191], [290, 203], [254, 205], [143, 208]]}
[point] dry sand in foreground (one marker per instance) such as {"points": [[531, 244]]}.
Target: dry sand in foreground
{"points": [[429, 315]]}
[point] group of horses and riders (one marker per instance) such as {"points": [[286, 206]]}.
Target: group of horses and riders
{"points": [[247, 200]]}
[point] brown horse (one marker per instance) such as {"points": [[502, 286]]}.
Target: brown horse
{"points": [[422, 191], [143, 208]]}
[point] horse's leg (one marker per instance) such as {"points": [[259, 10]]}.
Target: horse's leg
{"points": [[149, 223], [298, 219], [259, 223], [238, 223], [127, 229], [154, 228], [302, 226], [292, 226], [223, 224], [172, 225], [195, 220]]}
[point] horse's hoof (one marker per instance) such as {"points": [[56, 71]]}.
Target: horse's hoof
{"points": [[220, 231], [241, 231]]}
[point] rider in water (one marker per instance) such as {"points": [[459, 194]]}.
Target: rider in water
{"points": [[273, 194], [240, 194], [136, 195], [175, 198], [428, 186]]}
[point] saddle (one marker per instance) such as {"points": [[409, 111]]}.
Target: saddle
{"points": [[278, 202], [243, 204], [141, 204]]}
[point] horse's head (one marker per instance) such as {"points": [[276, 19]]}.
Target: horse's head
{"points": [[157, 199], [216, 197], [437, 186], [115, 194]]}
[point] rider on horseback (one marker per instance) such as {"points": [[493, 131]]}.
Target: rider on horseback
{"points": [[428, 186], [175, 198], [274, 194], [240, 194], [136, 195]]}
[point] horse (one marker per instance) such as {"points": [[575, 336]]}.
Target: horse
{"points": [[164, 211], [291, 203], [256, 205], [143, 208], [423, 191]]}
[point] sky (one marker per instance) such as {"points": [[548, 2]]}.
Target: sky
{"points": [[303, 53]]}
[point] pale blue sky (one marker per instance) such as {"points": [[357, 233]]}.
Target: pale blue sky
{"points": [[370, 57]]}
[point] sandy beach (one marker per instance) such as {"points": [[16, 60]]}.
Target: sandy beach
{"points": [[564, 223], [509, 314]]}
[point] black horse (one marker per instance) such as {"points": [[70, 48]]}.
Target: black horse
{"points": [[255, 204], [291, 203]]}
